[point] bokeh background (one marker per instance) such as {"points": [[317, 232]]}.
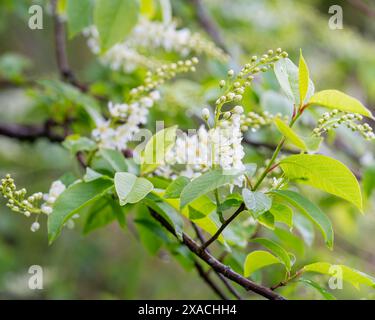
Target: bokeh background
{"points": [[111, 263]]}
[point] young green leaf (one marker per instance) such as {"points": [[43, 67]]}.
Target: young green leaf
{"points": [[311, 211], [75, 143], [290, 241], [79, 14], [103, 212], [92, 175], [114, 20], [115, 158], [148, 8], [350, 275], [72, 200], [290, 134], [335, 99], [288, 77], [303, 77], [156, 149], [257, 260], [267, 219], [276, 249], [205, 183], [175, 188], [282, 213], [324, 173], [257, 202], [130, 188], [317, 287]]}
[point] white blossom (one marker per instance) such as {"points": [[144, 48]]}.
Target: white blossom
{"points": [[151, 35]]}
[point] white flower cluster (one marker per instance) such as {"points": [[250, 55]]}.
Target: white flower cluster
{"points": [[50, 198], [150, 35], [220, 146], [56, 189], [124, 122]]}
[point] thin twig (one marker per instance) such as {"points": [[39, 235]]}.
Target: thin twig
{"points": [[222, 227]]}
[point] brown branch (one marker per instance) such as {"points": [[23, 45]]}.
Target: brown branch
{"points": [[30, 132], [222, 227], [216, 264], [209, 282], [208, 24], [221, 277], [61, 56]]}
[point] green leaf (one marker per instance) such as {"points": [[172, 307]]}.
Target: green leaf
{"points": [[350, 275], [311, 211], [288, 77], [335, 99], [115, 19], [232, 200], [75, 143], [324, 173], [148, 8], [303, 77], [276, 249], [72, 200], [290, 134], [290, 241], [92, 175], [103, 212], [79, 15], [156, 149], [267, 220], [305, 228], [205, 183], [175, 188], [282, 213], [257, 202], [257, 260], [130, 188], [167, 212], [115, 158], [322, 291]]}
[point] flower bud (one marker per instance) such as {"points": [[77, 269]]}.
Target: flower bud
{"points": [[205, 114], [238, 109], [35, 226]]}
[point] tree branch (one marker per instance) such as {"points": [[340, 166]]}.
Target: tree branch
{"points": [[216, 264], [61, 57], [221, 277], [30, 132], [209, 282], [208, 24]]}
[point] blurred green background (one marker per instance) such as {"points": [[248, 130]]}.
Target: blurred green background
{"points": [[111, 263]]}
